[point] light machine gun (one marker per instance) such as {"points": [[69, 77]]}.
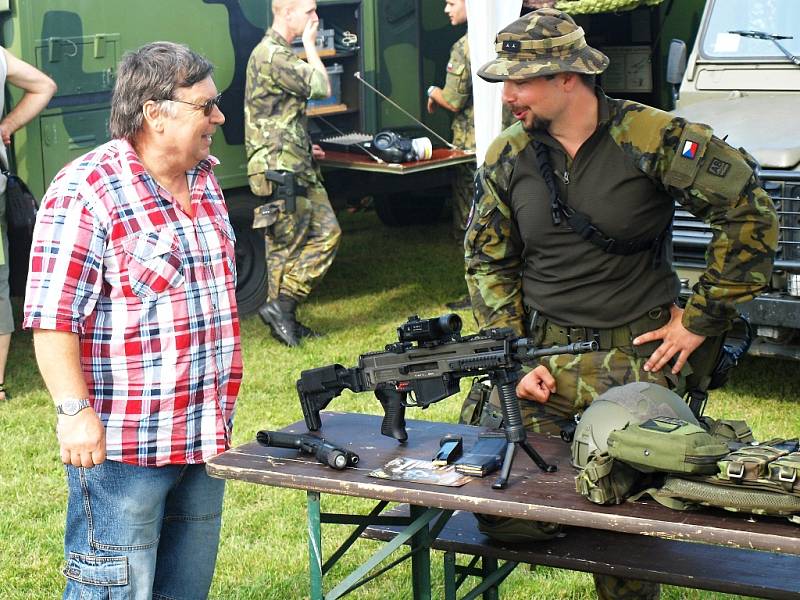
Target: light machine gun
{"points": [[405, 374]]}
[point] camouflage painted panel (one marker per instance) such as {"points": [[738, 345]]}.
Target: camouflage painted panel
{"points": [[714, 182], [276, 135]]}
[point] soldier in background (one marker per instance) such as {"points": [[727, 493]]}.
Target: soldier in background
{"points": [[570, 234], [456, 96], [301, 240]]}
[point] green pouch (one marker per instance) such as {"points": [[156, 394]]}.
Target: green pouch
{"points": [[667, 445], [729, 429], [606, 481], [785, 471], [748, 464]]}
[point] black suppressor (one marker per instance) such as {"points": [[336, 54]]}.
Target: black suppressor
{"points": [[323, 450], [429, 330]]}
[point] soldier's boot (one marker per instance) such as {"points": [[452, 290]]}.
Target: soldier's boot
{"points": [[289, 305], [279, 316]]}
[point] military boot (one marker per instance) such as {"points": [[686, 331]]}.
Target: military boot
{"points": [[279, 316], [304, 331]]}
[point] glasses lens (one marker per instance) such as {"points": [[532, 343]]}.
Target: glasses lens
{"points": [[209, 105]]}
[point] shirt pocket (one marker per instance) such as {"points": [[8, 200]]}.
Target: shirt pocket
{"points": [[155, 262]]}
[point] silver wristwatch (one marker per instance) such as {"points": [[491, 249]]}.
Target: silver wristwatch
{"points": [[72, 406]]}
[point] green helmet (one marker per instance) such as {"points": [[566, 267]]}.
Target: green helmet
{"points": [[618, 406], [544, 42]]}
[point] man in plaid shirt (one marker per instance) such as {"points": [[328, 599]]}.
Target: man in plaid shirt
{"points": [[136, 332]]}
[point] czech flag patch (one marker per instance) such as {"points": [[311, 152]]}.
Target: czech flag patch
{"points": [[689, 149]]}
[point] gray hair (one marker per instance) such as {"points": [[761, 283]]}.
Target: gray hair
{"points": [[153, 72]]}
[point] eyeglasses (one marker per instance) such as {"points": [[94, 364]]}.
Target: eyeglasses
{"points": [[207, 107]]}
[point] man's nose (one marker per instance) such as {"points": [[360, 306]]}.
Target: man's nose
{"points": [[508, 94]]}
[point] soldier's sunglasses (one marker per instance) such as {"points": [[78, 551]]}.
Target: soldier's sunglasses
{"points": [[207, 107]]}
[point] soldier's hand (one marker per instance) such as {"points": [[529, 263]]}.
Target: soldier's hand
{"points": [[310, 33], [431, 105], [317, 152], [82, 438], [537, 385], [675, 339]]}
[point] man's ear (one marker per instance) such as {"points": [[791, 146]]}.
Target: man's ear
{"points": [[153, 115]]}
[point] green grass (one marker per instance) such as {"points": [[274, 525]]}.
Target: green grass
{"points": [[380, 277]]}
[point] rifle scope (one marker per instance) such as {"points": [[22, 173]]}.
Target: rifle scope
{"points": [[429, 330]]}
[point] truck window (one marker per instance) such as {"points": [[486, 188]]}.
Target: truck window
{"points": [[776, 17]]}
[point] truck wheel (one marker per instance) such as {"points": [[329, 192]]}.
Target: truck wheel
{"points": [[251, 267], [401, 209]]}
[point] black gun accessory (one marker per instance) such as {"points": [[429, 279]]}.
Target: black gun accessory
{"points": [[285, 188], [450, 448], [429, 372], [324, 451]]}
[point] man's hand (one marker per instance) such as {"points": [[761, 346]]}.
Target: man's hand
{"points": [[5, 134], [431, 105], [537, 385], [310, 34], [675, 339], [82, 438], [317, 152]]}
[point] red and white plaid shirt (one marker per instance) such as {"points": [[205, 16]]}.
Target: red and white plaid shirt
{"points": [[151, 293]]}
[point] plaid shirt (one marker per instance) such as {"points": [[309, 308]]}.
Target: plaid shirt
{"points": [[151, 293]]}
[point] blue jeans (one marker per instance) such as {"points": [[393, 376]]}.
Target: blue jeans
{"points": [[136, 533]]}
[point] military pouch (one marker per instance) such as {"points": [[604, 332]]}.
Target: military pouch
{"points": [[668, 445], [785, 471], [728, 430], [265, 215], [748, 463], [474, 403], [606, 481]]}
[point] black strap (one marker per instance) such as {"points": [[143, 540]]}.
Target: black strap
{"points": [[582, 224]]}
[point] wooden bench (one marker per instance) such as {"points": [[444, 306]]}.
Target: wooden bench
{"points": [[680, 563]]}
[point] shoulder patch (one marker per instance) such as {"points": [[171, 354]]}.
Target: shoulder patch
{"points": [[718, 167]]}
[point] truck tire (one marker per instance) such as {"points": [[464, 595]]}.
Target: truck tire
{"points": [[251, 267], [401, 209]]}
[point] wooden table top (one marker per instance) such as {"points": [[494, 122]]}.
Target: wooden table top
{"points": [[531, 493]]}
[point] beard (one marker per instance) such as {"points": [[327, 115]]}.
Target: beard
{"points": [[538, 124]]}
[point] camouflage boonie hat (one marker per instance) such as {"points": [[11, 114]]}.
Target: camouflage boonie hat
{"points": [[543, 42]]}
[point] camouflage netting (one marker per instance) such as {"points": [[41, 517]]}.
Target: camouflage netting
{"points": [[585, 7]]}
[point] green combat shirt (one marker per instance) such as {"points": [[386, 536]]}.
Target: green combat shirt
{"points": [[625, 178], [278, 87], [457, 91]]}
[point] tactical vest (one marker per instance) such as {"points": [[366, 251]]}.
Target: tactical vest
{"points": [[684, 467]]}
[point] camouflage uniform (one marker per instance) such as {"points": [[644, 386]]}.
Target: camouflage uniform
{"points": [[300, 245], [458, 92], [657, 158]]}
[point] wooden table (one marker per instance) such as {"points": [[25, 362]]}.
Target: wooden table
{"points": [[531, 494]]}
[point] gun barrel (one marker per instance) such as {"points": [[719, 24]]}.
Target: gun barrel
{"points": [[574, 348]]}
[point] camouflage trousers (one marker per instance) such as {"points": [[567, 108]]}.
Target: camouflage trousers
{"points": [[462, 193], [302, 245]]}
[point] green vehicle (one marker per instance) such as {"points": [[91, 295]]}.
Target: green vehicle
{"points": [[79, 43], [743, 79]]}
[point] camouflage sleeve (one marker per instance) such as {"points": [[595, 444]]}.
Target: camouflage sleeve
{"points": [[295, 75], [458, 83], [715, 182], [492, 251]]}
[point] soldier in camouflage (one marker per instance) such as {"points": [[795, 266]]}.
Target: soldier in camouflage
{"points": [[456, 97], [569, 235], [302, 243]]}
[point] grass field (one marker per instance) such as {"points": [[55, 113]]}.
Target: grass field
{"points": [[380, 277]]}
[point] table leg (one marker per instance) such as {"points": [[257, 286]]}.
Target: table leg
{"points": [[315, 545], [421, 559]]}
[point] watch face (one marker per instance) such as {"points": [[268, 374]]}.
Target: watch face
{"points": [[72, 406]]}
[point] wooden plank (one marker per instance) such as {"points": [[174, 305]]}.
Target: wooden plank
{"points": [[531, 494], [327, 109], [687, 564]]}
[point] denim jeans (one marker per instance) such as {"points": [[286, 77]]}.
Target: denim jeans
{"points": [[136, 533]]}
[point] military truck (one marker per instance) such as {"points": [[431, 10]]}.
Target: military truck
{"points": [[743, 79], [79, 43]]}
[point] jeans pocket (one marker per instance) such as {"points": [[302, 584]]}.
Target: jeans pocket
{"points": [[99, 577]]}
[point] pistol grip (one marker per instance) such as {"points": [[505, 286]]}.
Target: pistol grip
{"points": [[394, 413]]}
